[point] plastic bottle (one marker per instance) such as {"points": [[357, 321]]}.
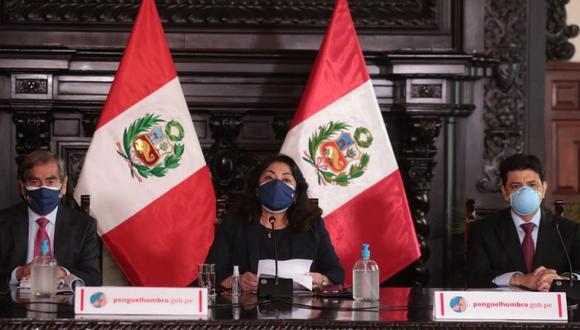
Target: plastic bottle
{"points": [[43, 275], [365, 277], [236, 286]]}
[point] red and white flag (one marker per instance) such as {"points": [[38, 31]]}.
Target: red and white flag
{"points": [[340, 142], [150, 189]]}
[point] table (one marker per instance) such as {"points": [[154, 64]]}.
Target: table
{"points": [[400, 308]]}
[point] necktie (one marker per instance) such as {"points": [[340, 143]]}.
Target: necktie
{"points": [[528, 245], [41, 235]]}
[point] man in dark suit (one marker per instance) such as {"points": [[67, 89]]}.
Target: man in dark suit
{"points": [[519, 246], [71, 235]]}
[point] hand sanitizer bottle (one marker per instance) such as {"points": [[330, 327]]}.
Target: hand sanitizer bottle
{"points": [[365, 277], [236, 286], [43, 275]]}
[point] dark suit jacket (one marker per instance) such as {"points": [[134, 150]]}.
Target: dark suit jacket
{"points": [[75, 242], [494, 247], [237, 242]]}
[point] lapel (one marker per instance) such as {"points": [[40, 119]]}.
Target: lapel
{"points": [[20, 235], [62, 234], [253, 239], [508, 237], [548, 242]]}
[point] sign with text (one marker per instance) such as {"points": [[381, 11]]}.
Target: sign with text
{"points": [[141, 301], [500, 305]]}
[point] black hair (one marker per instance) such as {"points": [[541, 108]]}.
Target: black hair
{"points": [[301, 215], [519, 162]]}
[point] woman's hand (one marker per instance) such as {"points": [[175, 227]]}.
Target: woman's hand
{"points": [[319, 280], [249, 282]]}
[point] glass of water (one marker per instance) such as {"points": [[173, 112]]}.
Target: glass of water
{"points": [[206, 278]]}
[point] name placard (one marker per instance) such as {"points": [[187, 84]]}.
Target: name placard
{"points": [[141, 301], [500, 305]]}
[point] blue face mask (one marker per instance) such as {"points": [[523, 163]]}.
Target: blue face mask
{"points": [[43, 200], [275, 196], [525, 200]]}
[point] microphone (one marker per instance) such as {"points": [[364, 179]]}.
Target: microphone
{"points": [[272, 221]]}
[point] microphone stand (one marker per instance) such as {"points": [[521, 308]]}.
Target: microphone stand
{"points": [[572, 291], [276, 286]]}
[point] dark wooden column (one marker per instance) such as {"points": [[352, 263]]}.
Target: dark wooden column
{"points": [[431, 91]]}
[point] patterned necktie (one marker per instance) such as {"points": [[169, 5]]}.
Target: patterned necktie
{"points": [[41, 235], [528, 245]]}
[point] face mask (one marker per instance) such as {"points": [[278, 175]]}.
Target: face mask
{"points": [[275, 196], [525, 200], [43, 200]]}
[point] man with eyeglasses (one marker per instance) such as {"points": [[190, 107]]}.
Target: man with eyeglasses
{"points": [[71, 234], [519, 246]]}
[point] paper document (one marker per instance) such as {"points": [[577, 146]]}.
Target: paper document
{"points": [[295, 269]]}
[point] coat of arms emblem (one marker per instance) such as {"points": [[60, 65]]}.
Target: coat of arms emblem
{"points": [[151, 146], [337, 154]]}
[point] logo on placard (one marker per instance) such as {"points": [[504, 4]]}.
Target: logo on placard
{"points": [[98, 299], [336, 153], [458, 304], [151, 146]]}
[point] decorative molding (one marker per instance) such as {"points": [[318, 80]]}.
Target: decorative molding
{"points": [[418, 163], [32, 131], [505, 94], [228, 164], [31, 86], [558, 32], [89, 121], [73, 154], [423, 91], [407, 14]]}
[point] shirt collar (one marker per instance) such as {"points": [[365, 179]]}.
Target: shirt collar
{"points": [[51, 217], [535, 219]]}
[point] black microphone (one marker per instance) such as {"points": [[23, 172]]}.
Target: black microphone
{"points": [[556, 223], [272, 221]]}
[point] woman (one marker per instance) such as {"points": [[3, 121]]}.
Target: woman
{"points": [[277, 192]]}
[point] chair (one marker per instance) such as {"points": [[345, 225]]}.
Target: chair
{"points": [[472, 214]]}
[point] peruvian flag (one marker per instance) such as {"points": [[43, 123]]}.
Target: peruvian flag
{"points": [[150, 189], [340, 142]]}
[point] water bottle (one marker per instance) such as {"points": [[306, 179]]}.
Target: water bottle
{"points": [[43, 276], [236, 286], [365, 277]]}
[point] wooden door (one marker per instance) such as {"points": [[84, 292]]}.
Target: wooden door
{"points": [[562, 129]]}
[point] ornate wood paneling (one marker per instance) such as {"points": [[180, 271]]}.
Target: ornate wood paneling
{"points": [[407, 14], [558, 32], [505, 95], [243, 66], [562, 122]]}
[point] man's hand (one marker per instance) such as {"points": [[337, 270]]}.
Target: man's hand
{"points": [[540, 280], [60, 273], [23, 272]]}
